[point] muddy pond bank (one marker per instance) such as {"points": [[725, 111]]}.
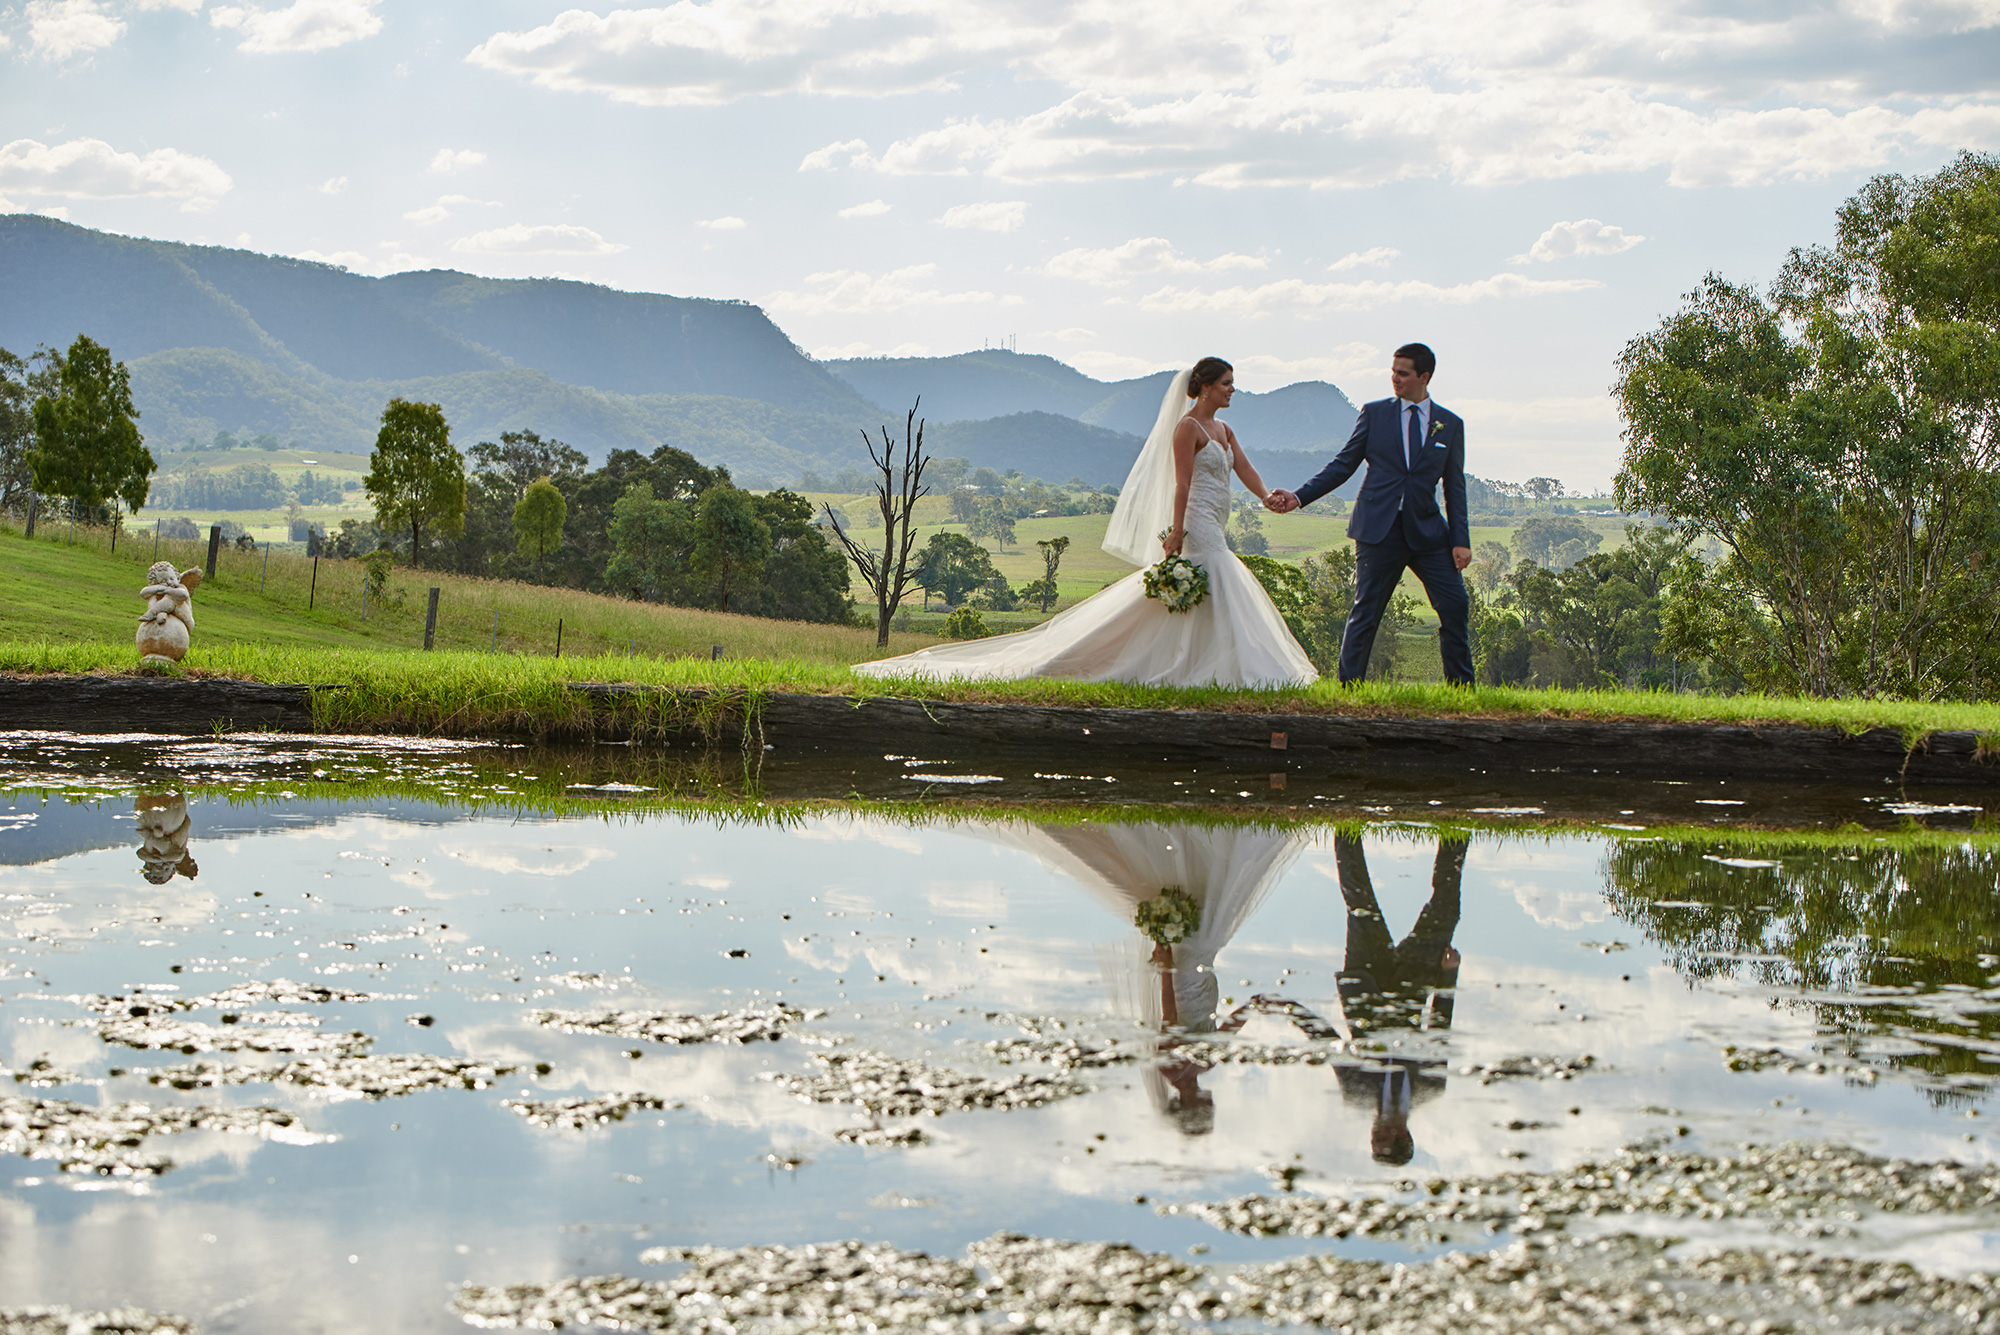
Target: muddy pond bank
{"points": [[835, 729]]}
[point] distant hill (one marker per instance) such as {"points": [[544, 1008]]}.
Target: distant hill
{"points": [[230, 340], [995, 383]]}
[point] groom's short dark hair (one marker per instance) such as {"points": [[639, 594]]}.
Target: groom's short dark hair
{"points": [[1422, 359]]}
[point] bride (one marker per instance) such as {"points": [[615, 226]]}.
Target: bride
{"points": [[1179, 487]]}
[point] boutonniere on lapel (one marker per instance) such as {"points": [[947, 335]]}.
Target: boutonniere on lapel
{"points": [[1437, 428]]}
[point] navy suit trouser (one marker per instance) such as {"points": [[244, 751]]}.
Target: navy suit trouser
{"points": [[1378, 566]]}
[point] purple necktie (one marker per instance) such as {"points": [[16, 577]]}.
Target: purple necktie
{"points": [[1416, 437]]}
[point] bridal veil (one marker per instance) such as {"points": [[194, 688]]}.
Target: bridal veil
{"points": [[1146, 501]]}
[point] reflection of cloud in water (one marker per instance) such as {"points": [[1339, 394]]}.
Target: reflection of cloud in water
{"points": [[967, 899], [527, 859], [849, 830], [1553, 907]]}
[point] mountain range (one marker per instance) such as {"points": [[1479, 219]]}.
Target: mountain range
{"points": [[220, 339]]}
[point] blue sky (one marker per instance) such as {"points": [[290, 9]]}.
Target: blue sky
{"points": [[1296, 185]]}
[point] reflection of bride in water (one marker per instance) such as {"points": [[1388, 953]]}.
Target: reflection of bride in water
{"points": [[1190, 888], [1222, 873]]}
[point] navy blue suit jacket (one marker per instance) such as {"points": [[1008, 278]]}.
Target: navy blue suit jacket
{"points": [[1393, 491]]}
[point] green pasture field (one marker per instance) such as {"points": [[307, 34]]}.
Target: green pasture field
{"points": [[62, 592], [73, 608]]}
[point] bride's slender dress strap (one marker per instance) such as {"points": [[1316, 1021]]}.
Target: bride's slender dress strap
{"points": [[1227, 448]]}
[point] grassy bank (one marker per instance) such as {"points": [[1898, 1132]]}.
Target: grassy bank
{"points": [[71, 606], [462, 693], [75, 590]]}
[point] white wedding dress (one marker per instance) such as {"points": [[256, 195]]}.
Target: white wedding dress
{"points": [[1233, 637]]}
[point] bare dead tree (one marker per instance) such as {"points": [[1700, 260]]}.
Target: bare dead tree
{"points": [[889, 575]]}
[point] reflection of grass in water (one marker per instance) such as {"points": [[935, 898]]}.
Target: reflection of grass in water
{"points": [[469, 693]]}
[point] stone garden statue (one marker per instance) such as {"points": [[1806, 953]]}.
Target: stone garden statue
{"points": [[166, 628], [164, 826]]}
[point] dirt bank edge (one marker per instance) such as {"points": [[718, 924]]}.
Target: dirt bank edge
{"points": [[1073, 737]]}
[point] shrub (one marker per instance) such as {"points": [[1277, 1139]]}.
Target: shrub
{"points": [[966, 624]]}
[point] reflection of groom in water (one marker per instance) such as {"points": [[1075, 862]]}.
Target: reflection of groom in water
{"points": [[1387, 984]]}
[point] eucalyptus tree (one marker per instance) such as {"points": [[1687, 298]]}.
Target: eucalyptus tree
{"points": [[87, 442], [1839, 438], [415, 477]]}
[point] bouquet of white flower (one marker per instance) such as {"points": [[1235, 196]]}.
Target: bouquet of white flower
{"points": [[1169, 917], [1177, 582]]}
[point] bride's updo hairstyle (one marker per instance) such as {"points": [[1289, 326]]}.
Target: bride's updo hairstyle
{"points": [[1205, 373]]}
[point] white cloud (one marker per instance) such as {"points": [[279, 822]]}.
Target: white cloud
{"points": [[521, 239], [432, 214], [59, 213], [987, 216], [184, 6], [65, 29], [1074, 335], [854, 292], [727, 223], [1586, 236], [333, 185], [1139, 256], [1296, 295], [687, 54], [345, 259], [304, 25], [448, 160], [1301, 92], [1342, 363], [836, 155], [874, 208], [1376, 257], [93, 169]]}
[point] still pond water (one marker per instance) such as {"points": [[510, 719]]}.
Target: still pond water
{"points": [[317, 1063]]}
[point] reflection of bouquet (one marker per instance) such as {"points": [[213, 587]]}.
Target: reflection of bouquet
{"points": [[1177, 582], [1169, 917]]}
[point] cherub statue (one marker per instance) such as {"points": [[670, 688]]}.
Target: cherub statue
{"points": [[168, 625], [164, 826]]}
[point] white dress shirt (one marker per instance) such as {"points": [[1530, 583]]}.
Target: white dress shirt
{"points": [[1403, 407]]}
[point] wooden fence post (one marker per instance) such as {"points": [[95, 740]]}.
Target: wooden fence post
{"points": [[431, 618], [558, 637], [34, 508], [313, 592], [214, 544]]}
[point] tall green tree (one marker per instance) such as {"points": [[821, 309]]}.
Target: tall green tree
{"points": [[650, 538], [992, 521], [731, 544], [87, 442], [1840, 440], [22, 381], [805, 579], [952, 565], [415, 477], [538, 519]]}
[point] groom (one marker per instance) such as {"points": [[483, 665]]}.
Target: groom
{"points": [[1411, 445]]}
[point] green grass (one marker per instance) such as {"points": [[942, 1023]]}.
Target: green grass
{"points": [[72, 609], [66, 594]]}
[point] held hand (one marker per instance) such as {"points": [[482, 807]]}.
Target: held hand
{"points": [[1280, 501], [1171, 545], [1461, 557]]}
